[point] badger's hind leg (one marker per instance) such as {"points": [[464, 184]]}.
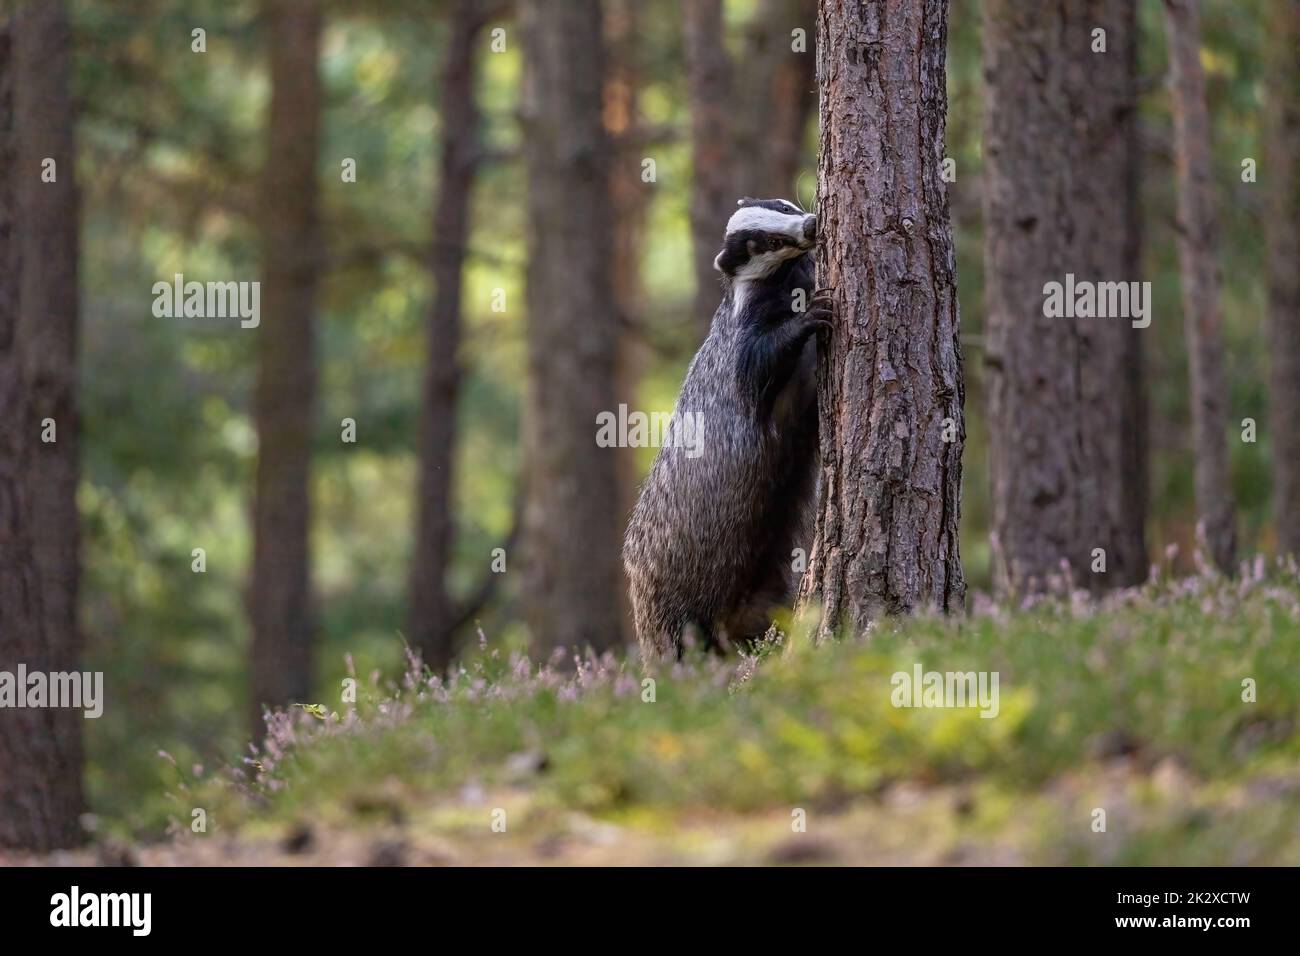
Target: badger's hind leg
{"points": [[775, 585], [660, 627], [672, 643], [748, 624], [696, 635]]}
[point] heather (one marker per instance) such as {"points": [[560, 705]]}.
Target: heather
{"points": [[1134, 705]]}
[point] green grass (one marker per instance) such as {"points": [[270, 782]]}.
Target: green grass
{"points": [[1135, 708]]}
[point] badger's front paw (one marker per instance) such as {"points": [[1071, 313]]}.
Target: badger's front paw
{"points": [[821, 311]]}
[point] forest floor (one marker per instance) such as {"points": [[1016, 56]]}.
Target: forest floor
{"points": [[1161, 727], [1165, 817]]}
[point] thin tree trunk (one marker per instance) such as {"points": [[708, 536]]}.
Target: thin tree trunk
{"points": [[778, 95], [40, 750], [571, 520], [747, 121], [432, 613], [1282, 226], [282, 609], [1197, 238], [1133, 563], [629, 198], [886, 538], [713, 179], [1065, 399], [793, 96]]}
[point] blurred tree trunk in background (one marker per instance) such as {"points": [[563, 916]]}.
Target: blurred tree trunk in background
{"points": [[747, 122], [629, 197], [1131, 495], [891, 390], [285, 400], [571, 518], [40, 750], [432, 616], [714, 177], [777, 89], [1202, 319], [1066, 406], [1282, 224]]}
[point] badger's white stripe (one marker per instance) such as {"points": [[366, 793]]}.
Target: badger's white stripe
{"points": [[740, 291], [766, 220]]}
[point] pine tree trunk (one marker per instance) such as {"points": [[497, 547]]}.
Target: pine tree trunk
{"points": [[1066, 405], [1282, 226], [1197, 238], [284, 405], [713, 174], [892, 383], [432, 614], [572, 525], [40, 750]]}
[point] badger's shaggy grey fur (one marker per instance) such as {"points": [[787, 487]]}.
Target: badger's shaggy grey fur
{"points": [[709, 545]]}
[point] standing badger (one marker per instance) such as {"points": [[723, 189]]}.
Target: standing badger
{"points": [[730, 495]]}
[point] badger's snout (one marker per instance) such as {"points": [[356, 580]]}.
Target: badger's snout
{"points": [[810, 230]]}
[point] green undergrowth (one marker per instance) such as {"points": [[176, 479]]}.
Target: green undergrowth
{"points": [[1152, 682]]}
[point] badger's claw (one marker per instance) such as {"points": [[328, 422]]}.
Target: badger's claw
{"points": [[822, 310], [818, 319]]}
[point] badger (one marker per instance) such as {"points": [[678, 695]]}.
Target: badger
{"points": [[709, 546]]}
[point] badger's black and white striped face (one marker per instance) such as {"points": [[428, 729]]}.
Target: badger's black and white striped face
{"points": [[762, 234]]}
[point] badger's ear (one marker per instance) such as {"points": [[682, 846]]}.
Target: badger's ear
{"points": [[746, 201], [717, 260]]}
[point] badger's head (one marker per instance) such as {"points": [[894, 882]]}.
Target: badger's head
{"points": [[761, 235]]}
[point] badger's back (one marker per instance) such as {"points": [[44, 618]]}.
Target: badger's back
{"points": [[708, 542]]}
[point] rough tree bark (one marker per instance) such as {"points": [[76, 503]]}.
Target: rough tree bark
{"points": [[713, 178], [571, 519], [432, 615], [1197, 238], [284, 404], [40, 749], [891, 384], [1282, 227], [1066, 409]]}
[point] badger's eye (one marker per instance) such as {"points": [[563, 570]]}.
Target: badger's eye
{"points": [[775, 243]]}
